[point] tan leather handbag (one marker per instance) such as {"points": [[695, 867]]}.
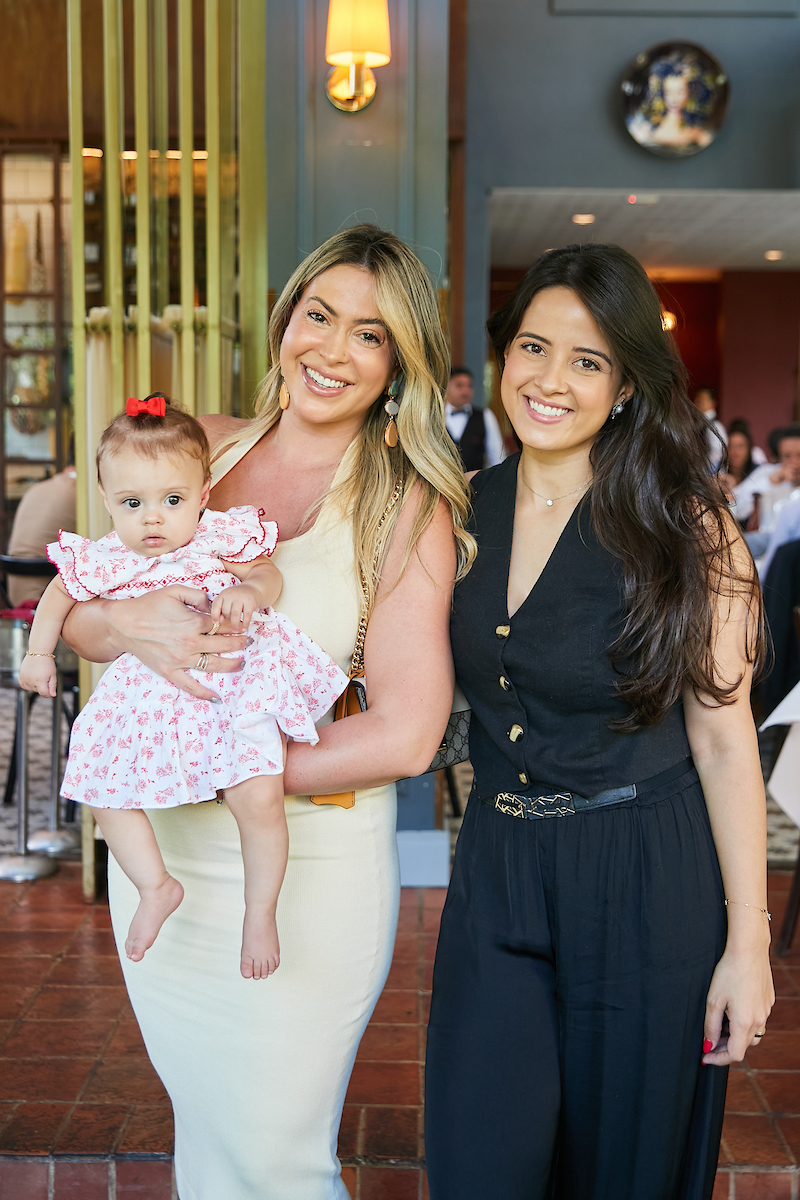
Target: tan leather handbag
{"points": [[354, 698]]}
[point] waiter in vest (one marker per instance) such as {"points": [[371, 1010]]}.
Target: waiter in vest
{"points": [[474, 430]]}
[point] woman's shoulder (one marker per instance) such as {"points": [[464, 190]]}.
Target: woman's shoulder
{"points": [[487, 480], [217, 426]]}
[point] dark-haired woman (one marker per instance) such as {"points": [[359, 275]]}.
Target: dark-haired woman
{"points": [[606, 925], [740, 455]]}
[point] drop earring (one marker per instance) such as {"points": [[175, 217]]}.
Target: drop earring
{"points": [[391, 408], [617, 409], [283, 396]]}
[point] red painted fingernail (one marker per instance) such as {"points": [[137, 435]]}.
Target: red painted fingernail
{"points": [[708, 1045]]}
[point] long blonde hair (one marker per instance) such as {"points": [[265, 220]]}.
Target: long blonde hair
{"points": [[425, 454]]}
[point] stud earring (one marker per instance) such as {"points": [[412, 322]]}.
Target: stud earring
{"points": [[391, 408], [283, 396], [617, 409]]}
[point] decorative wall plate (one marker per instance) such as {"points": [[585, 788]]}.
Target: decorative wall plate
{"points": [[675, 97]]}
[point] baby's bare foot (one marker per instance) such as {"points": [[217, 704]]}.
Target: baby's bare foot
{"points": [[155, 905], [261, 953]]}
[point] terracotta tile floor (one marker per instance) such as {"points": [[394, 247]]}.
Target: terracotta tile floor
{"points": [[83, 1116]]}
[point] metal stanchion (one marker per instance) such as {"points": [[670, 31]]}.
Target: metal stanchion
{"points": [[23, 865], [55, 839]]}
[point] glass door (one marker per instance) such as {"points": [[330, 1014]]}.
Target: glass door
{"points": [[34, 347]]}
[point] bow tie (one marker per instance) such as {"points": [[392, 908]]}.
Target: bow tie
{"points": [[154, 406]]}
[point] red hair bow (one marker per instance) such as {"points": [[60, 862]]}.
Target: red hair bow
{"points": [[155, 406]]}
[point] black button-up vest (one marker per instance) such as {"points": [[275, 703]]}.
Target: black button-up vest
{"points": [[540, 683]]}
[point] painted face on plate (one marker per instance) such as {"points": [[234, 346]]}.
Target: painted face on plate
{"points": [[560, 380]]}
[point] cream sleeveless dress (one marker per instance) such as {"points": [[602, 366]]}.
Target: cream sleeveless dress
{"points": [[257, 1070]]}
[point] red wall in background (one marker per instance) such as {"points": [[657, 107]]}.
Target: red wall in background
{"points": [[697, 307], [760, 344]]}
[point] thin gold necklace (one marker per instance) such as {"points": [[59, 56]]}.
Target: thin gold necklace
{"points": [[550, 502]]}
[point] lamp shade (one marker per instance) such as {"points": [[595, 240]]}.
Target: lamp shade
{"points": [[358, 32]]}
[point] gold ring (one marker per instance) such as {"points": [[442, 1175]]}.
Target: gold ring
{"points": [[763, 1033], [214, 628], [202, 662]]}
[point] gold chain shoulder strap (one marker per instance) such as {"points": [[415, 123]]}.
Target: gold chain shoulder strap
{"points": [[357, 661]]}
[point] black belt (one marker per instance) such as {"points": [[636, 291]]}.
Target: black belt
{"points": [[557, 803]]}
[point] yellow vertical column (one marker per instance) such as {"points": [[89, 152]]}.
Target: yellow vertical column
{"points": [[75, 68], [253, 309], [112, 183], [186, 144], [82, 448], [160, 83], [142, 116], [227, 43], [213, 258]]}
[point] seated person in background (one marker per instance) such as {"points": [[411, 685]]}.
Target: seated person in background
{"points": [[45, 508], [772, 484], [741, 462], [475, 431], [705, 400]]}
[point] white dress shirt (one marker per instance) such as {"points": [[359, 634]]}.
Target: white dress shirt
{"points": [[760, 481], [787, 529], [716, 437], [456, 421]]}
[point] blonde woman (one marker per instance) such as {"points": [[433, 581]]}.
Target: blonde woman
{"points": [[257, 1075]]}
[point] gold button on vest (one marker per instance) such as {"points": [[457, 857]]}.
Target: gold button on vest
{"points": [[515, 733], [503, 631], [523, 778], [504, 684]]}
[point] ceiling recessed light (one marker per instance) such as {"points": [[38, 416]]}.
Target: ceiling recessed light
{"points": [[583, 219], [773, 255]]}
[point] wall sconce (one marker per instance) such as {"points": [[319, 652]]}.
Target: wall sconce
{"points": [[358, 38]]}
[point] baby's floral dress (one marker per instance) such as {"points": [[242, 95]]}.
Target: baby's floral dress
{"points": [[141, 742]]}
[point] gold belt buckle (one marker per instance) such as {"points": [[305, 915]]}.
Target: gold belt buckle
{"points": [[535, 807]]}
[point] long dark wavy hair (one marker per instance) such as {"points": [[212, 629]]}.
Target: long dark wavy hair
{"points": [[655, 504]]}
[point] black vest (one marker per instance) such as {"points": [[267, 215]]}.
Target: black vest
{"points": [[472, 446], [546, 668]]}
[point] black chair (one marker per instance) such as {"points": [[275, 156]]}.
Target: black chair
{"points": [[783, 943], [12, 565], [781, 589]]}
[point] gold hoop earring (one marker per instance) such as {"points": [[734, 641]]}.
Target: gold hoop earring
{"points": [[283, 396], [391, 408]]}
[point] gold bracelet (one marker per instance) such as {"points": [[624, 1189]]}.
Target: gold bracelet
{"points": [[39, 654], [744, 904]]}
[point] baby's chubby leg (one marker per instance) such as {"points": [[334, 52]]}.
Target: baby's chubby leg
{"points": [[257, 806], [130, 838]]}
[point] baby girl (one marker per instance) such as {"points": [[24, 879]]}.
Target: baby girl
{"points": [[141, 742]]}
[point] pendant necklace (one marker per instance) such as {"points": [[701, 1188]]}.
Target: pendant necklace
{"points": [[550, 502]]}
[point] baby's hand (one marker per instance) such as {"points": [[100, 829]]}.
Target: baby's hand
{"points": [[236, 604], [38, 675]]}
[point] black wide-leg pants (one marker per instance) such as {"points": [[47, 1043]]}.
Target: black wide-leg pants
{"points": [[569, 992]]}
